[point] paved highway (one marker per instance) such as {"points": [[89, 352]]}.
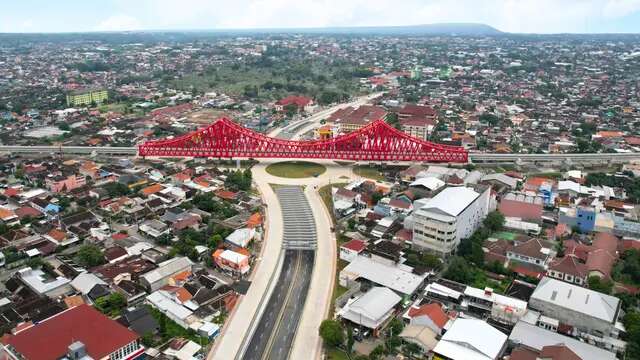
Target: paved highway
{"points": [[274, 333], [474, 157]]}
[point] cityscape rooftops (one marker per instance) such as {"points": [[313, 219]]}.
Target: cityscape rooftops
{"points": [[52, 337], [577, 298]]}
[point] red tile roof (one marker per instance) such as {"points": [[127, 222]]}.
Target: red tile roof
{"points": [[558, 352], [299, 101], [606, 241], [417, 110], [602, 261], [50, 338], [27, 211], [433, 311], [569, 265], [355, 245], [226, 195]]}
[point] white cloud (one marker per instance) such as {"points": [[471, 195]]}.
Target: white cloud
{"points": [[539, 16], [119, 23]]}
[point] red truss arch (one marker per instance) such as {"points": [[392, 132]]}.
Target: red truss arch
{"points": [[377, 141]]}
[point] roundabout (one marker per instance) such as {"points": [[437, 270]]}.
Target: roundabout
{"points": [[296, 169]]}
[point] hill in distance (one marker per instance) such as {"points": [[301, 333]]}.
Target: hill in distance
{"points": [[467, 29]]}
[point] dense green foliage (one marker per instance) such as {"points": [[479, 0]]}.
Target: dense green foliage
{"points": [[217, 208], [239, 180], [89, 256], [632, 324], [112, 304], [117, 189], [332, 333], [629, 183], [627, 269], [601, 285]]}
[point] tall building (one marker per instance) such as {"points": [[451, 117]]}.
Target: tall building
{"points": [[453, 214], [87, 96], [81, 332]]}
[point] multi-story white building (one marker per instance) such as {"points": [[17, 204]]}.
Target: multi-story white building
{"points": [[453, 214]]}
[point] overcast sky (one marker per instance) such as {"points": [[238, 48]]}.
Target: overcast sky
{"points": [[531, 16]]}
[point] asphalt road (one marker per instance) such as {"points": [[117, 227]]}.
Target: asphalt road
{"points": [[276, 330], [273, 337]]}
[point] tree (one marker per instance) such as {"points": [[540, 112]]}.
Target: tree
{"points": [[111, 304], [332, 333], [164, 239], [90, 256], [632, 325], [494, 221], [396, 326], [376, 196], [560, 248], [350, 339], [377, 352], [600, 285], [411, 349], [215, 241], [627, 268], [459, 270], [351, 224]]}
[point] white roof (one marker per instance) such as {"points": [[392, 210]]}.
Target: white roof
{"points": [[496, 298], [506, 179], [577, 298], [452, 200], [442, 290], [470, 339], [537, 338], [37, 280], [233, 256], [85, 282], [431, 183], [167, 268], [373, 306], [187, 352], [241, 237], [392, 277], [138, 248], [161, 300]]}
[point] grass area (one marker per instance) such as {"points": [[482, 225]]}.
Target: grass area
{"points": [[335, 354], [296, 169], [505, 235], [171, 329], [369, 172], [115, 107], [337, 289], [327, 198]]}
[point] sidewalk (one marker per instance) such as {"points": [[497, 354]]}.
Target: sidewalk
{"points": [[239, 321]]}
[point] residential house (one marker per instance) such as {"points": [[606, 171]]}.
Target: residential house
{"points": [[232, 261], [587, 311], [471, 339], [371, 310], [159, 277], [351, 249], [522, 206]]}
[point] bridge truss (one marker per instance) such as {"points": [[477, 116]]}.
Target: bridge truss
{"points": [[377, 141]]}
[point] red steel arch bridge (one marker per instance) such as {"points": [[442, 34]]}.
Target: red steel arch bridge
{"points": [[377, 141]]}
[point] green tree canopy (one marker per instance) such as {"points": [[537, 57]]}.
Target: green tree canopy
{"points": [[332, 333], [90, 256]]}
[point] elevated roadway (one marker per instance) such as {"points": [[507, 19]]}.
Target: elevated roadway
{"points": [[473, 157]]}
